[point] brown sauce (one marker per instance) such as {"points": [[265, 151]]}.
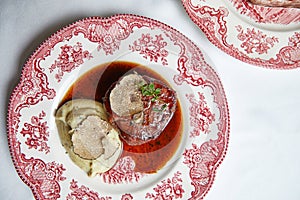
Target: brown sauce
{"points": [[151, 156]]}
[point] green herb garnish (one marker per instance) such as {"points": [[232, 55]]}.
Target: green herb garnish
{"points": [[164, 106], [150, 90]]}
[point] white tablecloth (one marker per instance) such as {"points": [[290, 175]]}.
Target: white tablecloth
{"points": [[263, 159]]}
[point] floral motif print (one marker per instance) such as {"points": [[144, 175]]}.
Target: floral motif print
{"points": [[122, 172], [265, 14], [294, 41], [27, 86], [197, 157], [69, 58], [200, 115], [37, 132], [168, 189], [108, 34], [83, 192], [33, 88], [44, 177], [126, 197], [152, 48], [200, 160], [253, 40], [291, 53]]}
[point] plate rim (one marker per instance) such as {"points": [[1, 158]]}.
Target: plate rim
{"points": [[241, 56], [42, 45]]}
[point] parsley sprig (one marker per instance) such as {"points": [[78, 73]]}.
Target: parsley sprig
{"points": [[150, 90]]}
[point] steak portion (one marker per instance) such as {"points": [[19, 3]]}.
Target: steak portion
{"points": [[141, 107], [277, 3]]}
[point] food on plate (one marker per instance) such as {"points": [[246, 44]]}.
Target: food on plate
{"points": [[90, 140], [141, 107], [277, 3], [150, 154]]}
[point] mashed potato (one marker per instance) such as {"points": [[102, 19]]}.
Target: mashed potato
{"points": [[91, 141]]}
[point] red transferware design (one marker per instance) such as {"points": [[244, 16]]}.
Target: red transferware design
{"points": [[69, 58], [37, 132], [201, 117], [35, 147], [259, 35], [264, 14], [168, 189], [122, 172], [151, 48]]}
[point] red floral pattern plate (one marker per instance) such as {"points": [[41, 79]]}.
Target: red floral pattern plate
{"points": [[37, 153], [262, 36]]}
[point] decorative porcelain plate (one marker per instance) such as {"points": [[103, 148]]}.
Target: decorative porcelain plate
{"points": [[36, 150], [262, 36]]}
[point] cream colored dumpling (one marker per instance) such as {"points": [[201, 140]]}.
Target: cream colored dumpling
{"points": [[91, 142]]}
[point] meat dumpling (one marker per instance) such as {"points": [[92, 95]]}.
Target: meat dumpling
{"points": [[141, 107]]}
